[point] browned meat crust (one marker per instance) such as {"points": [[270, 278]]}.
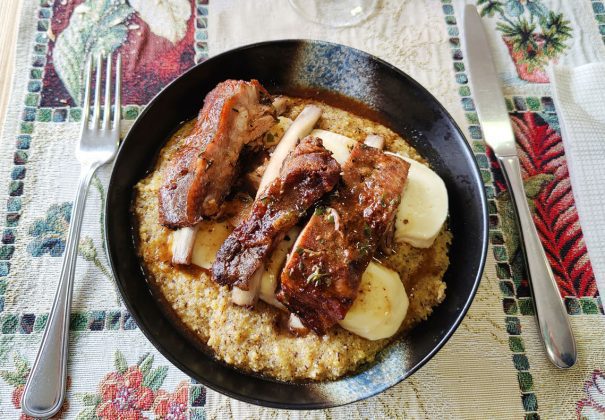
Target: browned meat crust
{"points": [[308, 172], [201, 173], [322, 274]]}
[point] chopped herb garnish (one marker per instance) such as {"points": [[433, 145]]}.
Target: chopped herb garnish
{"points": [[330, 218], [393, 202], [320, 211], [264, 200], [300, 251], [366, 229], [316, 277], [363, 247]]}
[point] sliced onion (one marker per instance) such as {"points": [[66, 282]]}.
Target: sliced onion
{"points": [[248, 297], [296, 326], [182, 244], [374, 140], [280, 103]]}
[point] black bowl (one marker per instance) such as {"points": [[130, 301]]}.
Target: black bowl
{"points": [[404, 106]]}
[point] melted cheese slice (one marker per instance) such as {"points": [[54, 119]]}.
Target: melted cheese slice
{"points": [[381, 304]]}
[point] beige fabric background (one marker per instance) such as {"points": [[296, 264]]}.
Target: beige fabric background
{"points": [[473, 376]]}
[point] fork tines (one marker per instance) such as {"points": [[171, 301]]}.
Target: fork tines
{"points": [[106, 122]]}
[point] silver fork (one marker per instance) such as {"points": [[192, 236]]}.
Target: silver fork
{"points": [[45, 388]]}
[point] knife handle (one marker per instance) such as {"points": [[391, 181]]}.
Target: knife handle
{"points": [[553, 322]]}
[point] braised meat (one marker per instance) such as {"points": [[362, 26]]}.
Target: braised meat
{"points": [[202, 171], [308, 172], [322, 274]]}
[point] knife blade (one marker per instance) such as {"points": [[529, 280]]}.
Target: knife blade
{"points": [[553, 322]]}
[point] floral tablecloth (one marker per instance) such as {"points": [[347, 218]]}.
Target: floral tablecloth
{"points": [[493, 367]]}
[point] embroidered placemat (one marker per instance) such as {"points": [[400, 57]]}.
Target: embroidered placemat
{"points": [[494, 365]]}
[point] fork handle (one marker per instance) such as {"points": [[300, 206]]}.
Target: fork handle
{"points": [[45, 388], [553, 322]]}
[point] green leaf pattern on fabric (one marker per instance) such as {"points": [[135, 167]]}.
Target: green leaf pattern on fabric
{"points": [[145, 364], [19, 376], [90, 400], [95, 27], [533, 185], [12, 378], [155, 378], [120, 362], [514, 8], [89, 413]]}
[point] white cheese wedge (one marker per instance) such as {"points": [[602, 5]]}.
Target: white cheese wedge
{"points": [[210, 236], [273, 268], [380, 306], [339, 145], [423, 208]]}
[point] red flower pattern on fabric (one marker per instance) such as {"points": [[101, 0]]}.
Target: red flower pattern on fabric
{"points": [[593, 406], [133, 393], [123, 395], [172, 406]]}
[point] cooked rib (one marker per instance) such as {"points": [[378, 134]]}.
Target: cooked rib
{"points": [[202, 170], [386, 243], [322, 274], [308, 173], [299, 128]]}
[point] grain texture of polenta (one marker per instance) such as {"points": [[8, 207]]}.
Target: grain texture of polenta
{"points": [[251, 339]]}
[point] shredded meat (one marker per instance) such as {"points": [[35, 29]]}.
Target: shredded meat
{"points": [[308, 172], [322, 274], [202, 171]]}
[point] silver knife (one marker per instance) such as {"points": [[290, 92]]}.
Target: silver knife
{"points": [[553, 322]]}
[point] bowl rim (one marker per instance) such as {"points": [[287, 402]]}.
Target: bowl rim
{"points": [[484, 238]]}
